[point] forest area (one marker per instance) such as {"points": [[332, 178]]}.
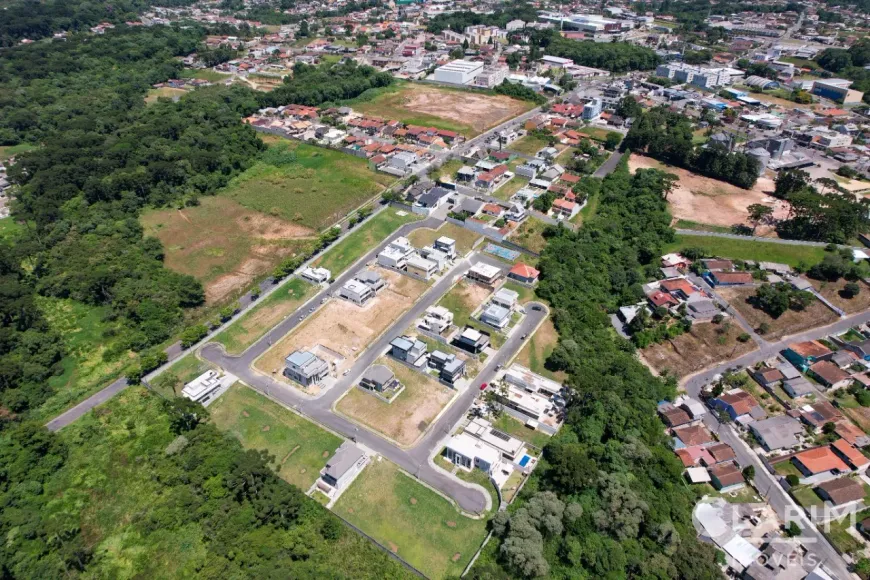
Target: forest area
{"points": [[607, 500]]}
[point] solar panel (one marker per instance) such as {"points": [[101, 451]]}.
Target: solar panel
{"points": [[500, 435]]}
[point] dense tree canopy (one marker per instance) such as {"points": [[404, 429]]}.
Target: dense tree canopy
{"points": [[612, 56]]}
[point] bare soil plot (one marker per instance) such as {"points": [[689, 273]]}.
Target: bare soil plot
{"points": [[832, 292], [791, 322], [709, 201], [344, 327], [465, 239], [468, 112], [406, 418], [223, 244], [697, 349]]}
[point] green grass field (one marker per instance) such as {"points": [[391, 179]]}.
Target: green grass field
{"points": [[308, 185], [529, 145], [465, 239], [415, 522], [165, 92], [530, 234], [750, 250], [10, 229], [507, 190], [447, 172], [184, 370], [366, 236], [300, 447], [11, 150], [83, 329], [270, 311], [511, 426], [595, 133], [690, 225]]}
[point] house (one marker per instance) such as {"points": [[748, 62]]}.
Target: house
{"points": [[701, 308], [446, 245], [496, 316], [524, 273], [804, 354], [674, 416], [860, 348], [848, 453], [830, 375], [437, 319], [696, 455], [841, 491], [693, 435], [697, 475], [422, 267], [202, 388], [378, 378], [726, 477], [675, 261], [851, 433], [516, 212], [356, 292], [524, 378], [843, 358], [721, 452], [472, 340], [780, 432], [679, 288], [717, 265], [440, 258], [407, 349], [372, 279], [493, 209], [798, 387], [663, 299], [316, 275], [433, 198], [485, 273], [564, 209], [396, 254], [818, 461], [342, 467], [305, 368], [767, 377], [505, 298], [467, 452], [452, 370], [817, 414], [403, 160], [738, 403], [510, 447], [730, 278]]}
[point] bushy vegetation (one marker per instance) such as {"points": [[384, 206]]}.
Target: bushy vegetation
{"points": [[849, 63], [458, 21], [607, 500], [519, 91], [776, 299], [667, 136], [612, 56], [314, 86], [35, 20]]}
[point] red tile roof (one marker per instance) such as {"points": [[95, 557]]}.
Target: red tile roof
{"points": [[819, 460], [524, 271]]}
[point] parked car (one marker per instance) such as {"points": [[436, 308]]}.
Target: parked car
{"points": [[483, 386]]}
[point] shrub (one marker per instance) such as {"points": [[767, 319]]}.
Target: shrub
{"points": [[851, 289]]}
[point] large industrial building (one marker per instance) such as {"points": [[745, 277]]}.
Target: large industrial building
{"points": [[458, 72], [837, 90]]}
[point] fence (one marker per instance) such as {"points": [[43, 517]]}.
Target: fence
{"points": [[481, 229], [386, 550]]}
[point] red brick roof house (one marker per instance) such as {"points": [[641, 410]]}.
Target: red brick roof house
{"points": [[830, 374], [524, 273], [841, 491], [850, 454], [659, 298], [819, 460], [726, 476]]}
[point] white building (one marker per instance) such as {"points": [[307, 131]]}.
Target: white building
{"points": [[698, 76], [505, 298], [485, 273], [403, 160], [421, 267], [496, 316], [467, 451], [201, 389], [437, 319], [510, 447], [396, 254], [532, 382], [356, 292], [446, 245], [316, 275], [491, 76], [440, 258], [458, 72]]}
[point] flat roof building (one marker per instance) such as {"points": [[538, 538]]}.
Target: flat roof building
{"points": [[532, 382], [485, 273], [467, 451], [201, 389], [356, 292], [305, 367], [458, 72]]}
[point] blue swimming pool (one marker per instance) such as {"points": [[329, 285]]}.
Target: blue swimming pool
{"points": [[525, 460]]}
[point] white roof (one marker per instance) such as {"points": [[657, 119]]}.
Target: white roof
{"points": [[485, 270], [713, 524], [472, 447], [698, 475], [521, 376], [741, 550], [422, 263], [461, 66], [535, 403], [356, 287], [438, 311], [471, 334], [509, 296], [201, 385]]}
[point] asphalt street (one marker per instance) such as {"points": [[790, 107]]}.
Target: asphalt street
{"points": [[415, 459]]}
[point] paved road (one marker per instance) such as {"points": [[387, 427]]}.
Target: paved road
{"points": [[757, 239], [414, 460], [781, 502], [608, 166]]}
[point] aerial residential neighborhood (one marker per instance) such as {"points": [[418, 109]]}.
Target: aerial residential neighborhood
{"points": [[435, 288]]}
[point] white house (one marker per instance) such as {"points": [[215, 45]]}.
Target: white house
{"points": [[467, 452], [421, 267], [437, 319], [396, 254], [446, 245], [505, 298], [496, 316], [316, 275], [485, 273], [201, 389], [356, 292]]}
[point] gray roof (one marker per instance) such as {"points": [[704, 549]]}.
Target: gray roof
{"points": [[497, 312], [345, 458], [799, 386], [368, 277], [470, 205], [454, 365], [402, 343], [778, 432], [378, 374]]}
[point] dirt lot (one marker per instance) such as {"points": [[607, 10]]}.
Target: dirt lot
{"points": [[697, 349], [222, 244], [789, 323], [831, 291], [460, 108], [344, 327], [407, 417], [709, 201]]}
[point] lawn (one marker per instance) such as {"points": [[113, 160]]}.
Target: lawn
{"points": [[588, 210], [525, 293], [839, 536], [11, 150], [690, 225], [786, 468], [408, 415], [415, 522], [507, 190], [299, 447], [465, 239], [93, 358], [801, 62], [595, 133], [182, 371], [538, 349], [806, 497], [307, 185], [375, 230], [462, 300], [447, 172], [528, 145], [791, 322], [530, 234], [508, 424], [10, 229], [270, 311], [164, 92], [749, 249], [223, 244]]}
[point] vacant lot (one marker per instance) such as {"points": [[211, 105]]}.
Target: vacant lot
{"points": [[512, 426], [8, 151], [307, 185], [507, 190], [269, 312], [817, 314], [462, 300], [222, 244], [709, 201], [749, 249], [832, 291], [166, 92], [538, 348], [205, 74], [465, 239], [344, 327], [528, 145], [415, 522], [406, 418], [852, 409], [530, 234], [300, 447], [699, 348], [367, 236], [467, 112], [596, 133]]}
